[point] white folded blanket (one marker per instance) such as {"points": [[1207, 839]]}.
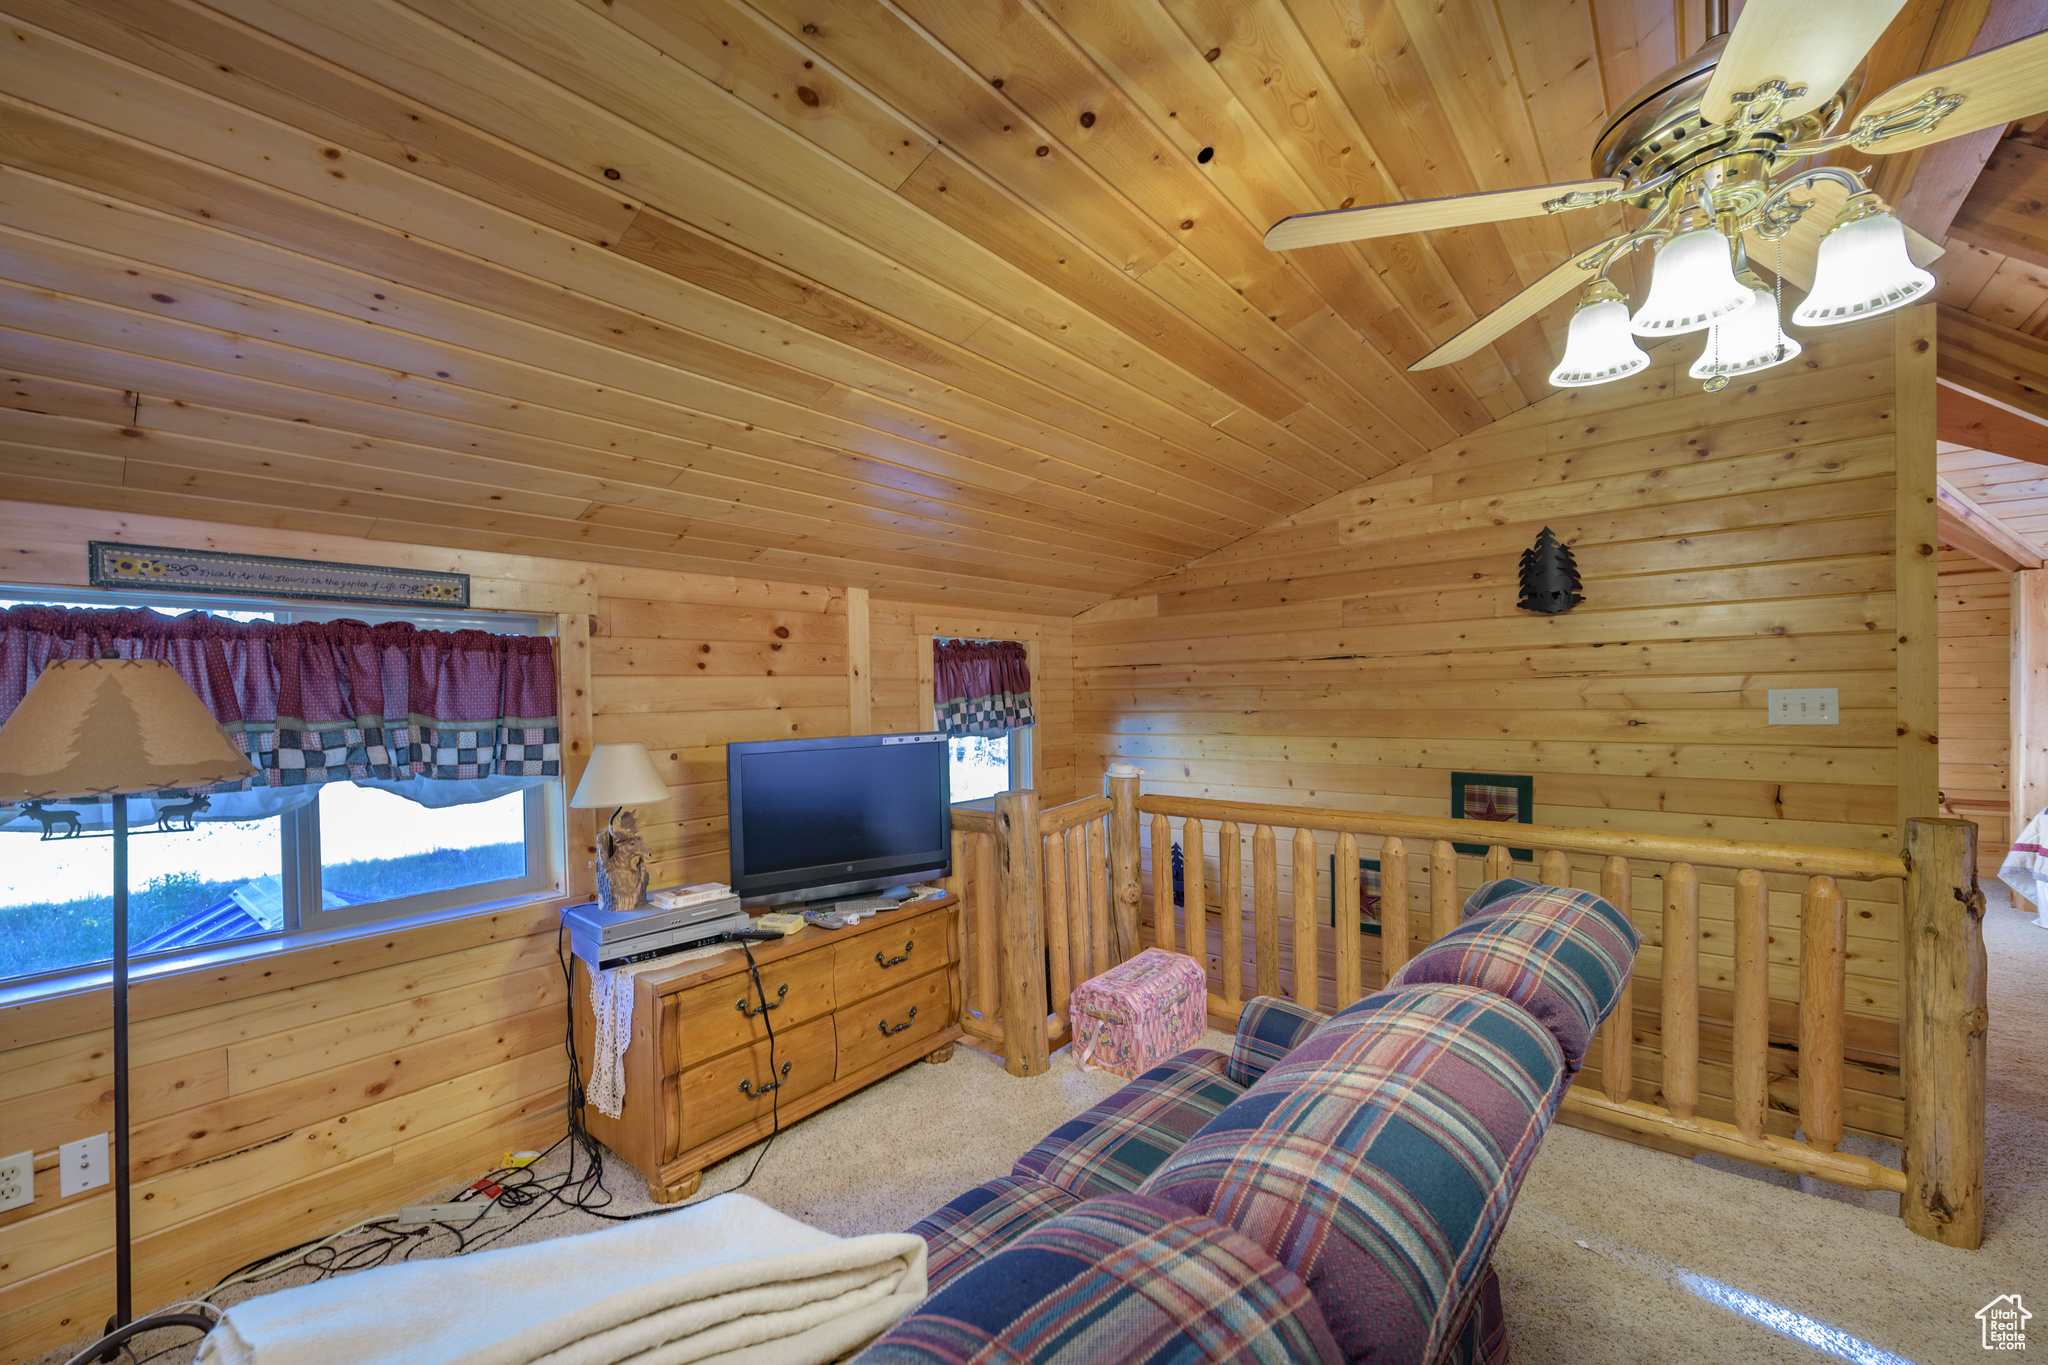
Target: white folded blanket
{"points": [[729, 1281]]}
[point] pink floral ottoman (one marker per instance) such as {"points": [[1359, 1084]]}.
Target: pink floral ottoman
{"points": [[1135, 1016]]}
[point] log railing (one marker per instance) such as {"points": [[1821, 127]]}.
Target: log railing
{"points": [[1056, 896]]}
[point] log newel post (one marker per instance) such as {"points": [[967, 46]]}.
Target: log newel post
{"points": [[1123, 863], [1020, 933], [1942, 1034]]}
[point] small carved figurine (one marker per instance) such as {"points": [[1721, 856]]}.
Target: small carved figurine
{"points": [[622, 864]]}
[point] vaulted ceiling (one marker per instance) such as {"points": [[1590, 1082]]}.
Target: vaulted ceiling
{"points": [[957, 299]]}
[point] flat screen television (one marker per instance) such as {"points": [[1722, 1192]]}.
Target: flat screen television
{"points": [[817, 818]]}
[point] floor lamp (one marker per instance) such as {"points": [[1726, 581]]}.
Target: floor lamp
{"points": [[92, 728]]}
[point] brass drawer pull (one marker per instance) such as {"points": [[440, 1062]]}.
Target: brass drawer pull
{"points": [[744, 1008], [747, 1087], [888, 1032], [908, 944]]}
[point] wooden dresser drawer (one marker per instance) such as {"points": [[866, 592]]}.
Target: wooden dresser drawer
{"points": [[704, 1021], [708, 1101], [890, 956], [897, 1020]]}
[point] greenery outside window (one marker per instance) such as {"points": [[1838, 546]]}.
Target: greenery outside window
{"points": [[226, 881]]}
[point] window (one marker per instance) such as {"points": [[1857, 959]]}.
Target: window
{"points": [[989, 681], [980, 765], [354, 854]]}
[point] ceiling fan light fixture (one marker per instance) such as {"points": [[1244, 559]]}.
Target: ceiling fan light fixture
{"points": [[1863, 268], [1692, 286], [1599, 346], [1747, 341]]}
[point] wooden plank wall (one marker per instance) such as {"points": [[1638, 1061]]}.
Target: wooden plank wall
{"points": [[288, 1096], [1976, 689], [1358, 654]]}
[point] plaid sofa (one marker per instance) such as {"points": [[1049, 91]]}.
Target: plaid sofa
{"points": [[1330, 1191]]}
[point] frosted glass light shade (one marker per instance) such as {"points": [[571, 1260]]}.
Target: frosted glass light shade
{"points": [[619, 775], [1599, 346], [1747, 341], [1692, 286], [1863, 268]]}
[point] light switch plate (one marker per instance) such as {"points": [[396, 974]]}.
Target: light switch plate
{"points": [[1805, 706], [17, 1181], [82, 1165]]}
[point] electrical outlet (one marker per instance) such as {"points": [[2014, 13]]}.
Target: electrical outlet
{"points": [[1805, 706], [17, 1181], [82, 1165]]}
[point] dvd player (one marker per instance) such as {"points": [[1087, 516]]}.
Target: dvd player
{"points": [[611, 938]]}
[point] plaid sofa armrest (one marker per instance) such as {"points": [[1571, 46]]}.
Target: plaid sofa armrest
{"points": [[1122, 1277], [1268, 1030]]}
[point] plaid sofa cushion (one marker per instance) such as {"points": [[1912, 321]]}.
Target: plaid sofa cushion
{"points": [[1483, 1340], [972, 1227], [1111, 1148], [1268, 1030], [1121, 1278], [1379, 1161], [1559, 953]]}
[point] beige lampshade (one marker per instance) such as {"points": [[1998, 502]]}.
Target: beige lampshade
{"points": [[620, 775], [100, 727]]}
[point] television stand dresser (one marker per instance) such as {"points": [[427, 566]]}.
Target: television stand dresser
{"points": [[849, 1006]]}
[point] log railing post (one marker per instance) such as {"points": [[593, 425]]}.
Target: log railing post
{"points": [[1345, 932], [1230, 907], [1393, 908], [1162, 882], [1443, 889], [1942, 1034], [1618, 1034], [1123, 863], [1059, 943], [1266, 910], [1020, 937], [1681, 990], [1308, 971], [1499, 863], [1823, 990], [1752, 1023]]}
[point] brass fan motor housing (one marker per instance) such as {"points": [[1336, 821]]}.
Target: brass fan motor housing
{"points": [[1659, 130]]}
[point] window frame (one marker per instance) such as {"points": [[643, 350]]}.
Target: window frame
{"points": [[543, 819], [930, 629]]}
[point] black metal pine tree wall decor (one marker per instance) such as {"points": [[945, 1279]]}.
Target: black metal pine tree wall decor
{"points": [[1550, 576]]}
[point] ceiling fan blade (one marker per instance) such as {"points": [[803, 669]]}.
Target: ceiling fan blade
{"points": [[1421, 215], [2006, 83], [1572, 275], [1798, 42], [1800, 247]]}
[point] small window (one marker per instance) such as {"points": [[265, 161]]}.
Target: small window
{"points": [[356, 854], [980, 765]]}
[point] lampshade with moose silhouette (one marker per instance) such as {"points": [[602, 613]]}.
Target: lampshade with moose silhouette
{"points": [[102, 727]]}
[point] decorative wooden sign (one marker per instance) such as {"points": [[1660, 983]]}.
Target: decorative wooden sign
{"points": [[161, 568]]}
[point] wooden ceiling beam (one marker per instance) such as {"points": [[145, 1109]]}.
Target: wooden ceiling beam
{"points": [[2000, 366], [1969, 419], [1964, 525], [2007, 211]]}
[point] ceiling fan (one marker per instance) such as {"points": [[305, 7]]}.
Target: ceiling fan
{"points": [[1702, 148]]}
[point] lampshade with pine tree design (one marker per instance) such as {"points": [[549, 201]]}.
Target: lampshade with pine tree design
{"points": [[98, 727]]}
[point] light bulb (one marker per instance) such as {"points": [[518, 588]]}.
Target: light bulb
{"points": [[1863, 268], [1692, 286], [1747, 341], [1599, 346]]}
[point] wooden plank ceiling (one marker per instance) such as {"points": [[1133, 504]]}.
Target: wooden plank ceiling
{"points": [[954, 299]]}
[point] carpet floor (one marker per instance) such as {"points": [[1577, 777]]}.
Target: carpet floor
{"points": [[1615, 1255]]}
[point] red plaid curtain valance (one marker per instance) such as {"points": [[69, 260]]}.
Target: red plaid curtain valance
{"points": [[980, 687], [326, 701]]}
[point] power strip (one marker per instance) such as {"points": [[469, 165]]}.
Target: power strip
{"points": [[462, 1214]]}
